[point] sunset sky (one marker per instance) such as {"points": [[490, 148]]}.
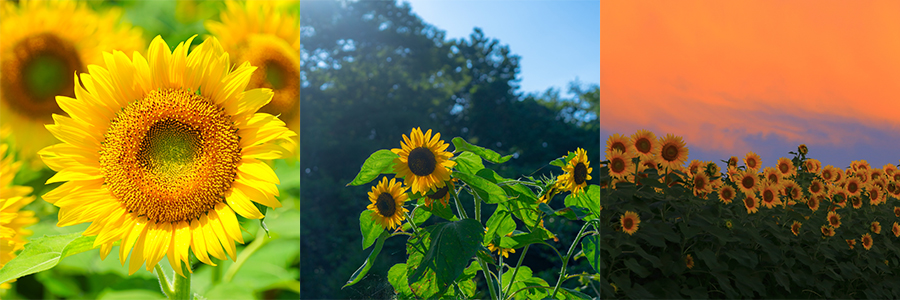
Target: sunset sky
{"points": [[764, 76]]}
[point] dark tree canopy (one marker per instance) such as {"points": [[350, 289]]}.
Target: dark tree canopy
{"points": [[370, 72]]}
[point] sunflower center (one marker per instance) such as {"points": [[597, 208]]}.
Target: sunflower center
{"points": [[421, 161], [580, 173], [727, 194], [618, 165], [749, 202], [784, 168], [643, 145], [670, 153], [170, 156], [629, 223], [747, 182], [768, 196], [39, 68], [386, 205], [619, 146], [440, 193]]}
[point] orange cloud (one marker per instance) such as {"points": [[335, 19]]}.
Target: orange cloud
{"points": [[718, 72]]}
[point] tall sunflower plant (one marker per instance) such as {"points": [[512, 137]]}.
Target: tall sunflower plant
{"points": [[793, 229], [449, 242]]}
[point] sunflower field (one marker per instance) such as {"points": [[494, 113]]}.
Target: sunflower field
{"points": [[798, 230], [448, 246], [149, 150]]}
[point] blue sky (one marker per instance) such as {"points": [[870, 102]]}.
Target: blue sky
{"points": [[556, 40]]}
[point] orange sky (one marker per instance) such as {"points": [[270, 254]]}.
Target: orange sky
{"points": [[716, 72]]}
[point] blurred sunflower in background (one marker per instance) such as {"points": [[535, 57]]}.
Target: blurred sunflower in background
{"points": [[44, 44], [12, 199], [170, 168], [267, 35]]}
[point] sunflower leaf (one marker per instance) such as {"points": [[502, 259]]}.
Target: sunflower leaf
{"points": [[397, 278], [262, 222], [452, 246], [591, 247], [361, 272], [485, 189], [588, 199], [380, 162], [487, 154], [44, 253], [370, 229]]}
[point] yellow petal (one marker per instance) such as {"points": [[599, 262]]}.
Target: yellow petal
{"points": [[229, 222], [136, 231], [221, 236], [198, 243], [258, 169], [256, 195], [211, 239], [240, 203]]}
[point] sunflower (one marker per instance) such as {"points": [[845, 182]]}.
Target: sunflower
{"points": [[269, 38], [621, 143], [702, 187], [672, 151], [853, 186], [644, 143], [839, 174], [769, 195], [747, 181], [712, 169], [423, 163], [387, 202], [44, 43], [896, 229], [876, 195], [813, 165], [802, 149], [689, 261], [732, 162], [862, 175], [501, 251], [630, 222], [169, 168], [552, 190], [791, 189], [840, 198], [13, 219], [897, 211], [771, 175], [694, 167], [751, 203], [876, 174], [795, 228], [876, 227], [816, 187], [828, 173], [785, 167], [834, 219], [889, 169], [866, 241], [620, 166], [752, 161], [813, 202], [443, 194], [894, 188], [859, 165], [856, 201], [726, 194], [851, 243], [578, 172], [827, 230]]}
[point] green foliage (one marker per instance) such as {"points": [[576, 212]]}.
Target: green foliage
{"points": [[44, 253], [380, 162]]}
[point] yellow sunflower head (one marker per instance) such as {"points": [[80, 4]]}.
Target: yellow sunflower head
{"points": [[689, 261], [769, 195], [816, 187], [630, 222], [726, 194], [621, 143], [751, 203], [896, 229], [620, 166], [387, 199], [866, 241], [672, 151], [443, 194], [813, 165], [501, 251], [771, 175], [267, 36], [644, 143], [813, 202], [44, 44], [834, 219], [578, 172], [423, 163], [161, 152], [795, 228], [747, 181], [876, 227], [13, 219], [702, 186], [827, 230], [802, 149], [753, 161], [828, 173]]}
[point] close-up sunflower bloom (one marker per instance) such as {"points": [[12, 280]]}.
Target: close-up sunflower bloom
{"points": [[13, 219], [577, 173], [753, 161], [44, 44], [747, 181], [442, 194], [630, 222], [816, 187], [672, 151], [769, 195], [423, 163], [159, 153], [387, 199], [269, 38], [644, 143]]}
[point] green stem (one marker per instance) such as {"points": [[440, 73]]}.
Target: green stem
{"points": [[521, 258], [216, 271], [500, 275], [562, 271], [182, 287], [164, 282], [459, 207], [487, 276], [258, 242]]}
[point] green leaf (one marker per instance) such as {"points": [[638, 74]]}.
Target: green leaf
{"points": [[487, 154], [380, 162], [468, 162], [572, 212], [591, 247], [521, 240], [562, 161], [500, 223], [710, 259], [637, 268], [419, 215], [564, 293], [588, 199], [44, 253], [371, 230], [262, 222], [397, 278], [439, 209], [361, 272], [486, 190], [525, 278], [452, 246], [110, 294]]}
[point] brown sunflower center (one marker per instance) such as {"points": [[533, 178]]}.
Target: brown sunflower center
{"points": [[852, 187], [727, 194], [768, 196], [170, 156], [619, 146], [751, 163], [580, 173], [643, 145], [749, 202], [440, 193], [670, 152], [747, 182], [421, 161], [279, 73], [39, 68], [386, 205], [784, 168], [629, 223], [618, 165]]}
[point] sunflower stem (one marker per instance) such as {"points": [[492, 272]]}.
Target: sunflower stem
{"points": [[487, 276], [562, 271], [258, 242], [459, 207], [182, 289], [519, 264], [164, 282], [216, 271]]}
